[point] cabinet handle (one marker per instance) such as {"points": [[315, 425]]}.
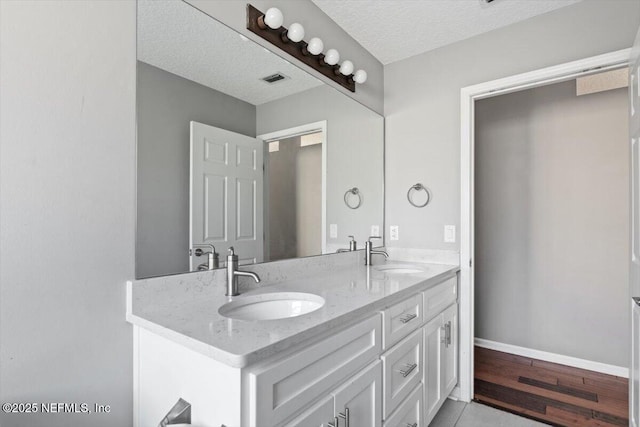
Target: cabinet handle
{"points": [[405, 372], [408, 318], [334, 424], [448, 332], [412, 425], [345, 417]]}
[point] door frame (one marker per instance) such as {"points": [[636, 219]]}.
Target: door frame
{"points": [[305, 129], [468, 96]]}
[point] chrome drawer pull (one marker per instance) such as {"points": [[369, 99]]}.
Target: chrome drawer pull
{"points": [[412, 425], [408, 318], [334, 424], [345, 417], [405, 372]]}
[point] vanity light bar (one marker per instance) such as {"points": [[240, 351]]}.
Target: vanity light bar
{"points": [[268, 25]]}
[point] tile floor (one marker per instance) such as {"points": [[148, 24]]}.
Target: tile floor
{"points": [[460, 414]]}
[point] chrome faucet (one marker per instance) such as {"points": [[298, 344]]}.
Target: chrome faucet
{"points": [[353, 245], [368, 251], [213, 260], [233, 273]]}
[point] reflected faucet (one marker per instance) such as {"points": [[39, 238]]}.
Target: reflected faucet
{"points": [[213, 260], [368, 251], [352, 246], [233, 273]]}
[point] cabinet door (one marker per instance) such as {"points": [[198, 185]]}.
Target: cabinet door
{"points": [[358, 403], [450, 350], [433, 336], [319, 415]]}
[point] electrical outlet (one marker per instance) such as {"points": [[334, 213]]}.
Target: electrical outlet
{"points": [[393, 232], [450, 233], [375, 230], [333, 231]]}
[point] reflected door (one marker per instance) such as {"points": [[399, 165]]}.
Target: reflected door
{"points": [[634, 273], [226, 193]]}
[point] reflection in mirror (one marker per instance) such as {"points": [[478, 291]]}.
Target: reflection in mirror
{"points": [[238, 147]]}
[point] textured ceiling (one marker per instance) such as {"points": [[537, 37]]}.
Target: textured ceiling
{"points": [[396, 29], [182, 40]]}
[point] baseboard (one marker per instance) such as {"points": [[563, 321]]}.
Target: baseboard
{"points": [[618, 371]]}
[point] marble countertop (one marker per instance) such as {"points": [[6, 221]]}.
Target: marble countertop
{"points": [[184, 308]]}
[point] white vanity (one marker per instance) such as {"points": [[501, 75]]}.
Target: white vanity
{"points": [[381, 351]]}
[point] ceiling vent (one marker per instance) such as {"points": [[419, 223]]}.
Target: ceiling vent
{"points": [[274, 78]]}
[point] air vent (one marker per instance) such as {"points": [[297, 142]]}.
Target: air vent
{"points": [[274, 78]]}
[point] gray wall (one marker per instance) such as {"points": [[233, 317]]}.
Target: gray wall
{"points": [[166, 105], [422, 102], [552, 226], [316, 23], [67, 181], [354, 154]]}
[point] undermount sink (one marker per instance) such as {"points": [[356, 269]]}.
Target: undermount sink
{"points": [[400, 269], [271, 306]]}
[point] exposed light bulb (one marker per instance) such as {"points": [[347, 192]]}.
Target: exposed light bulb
{"points": [[360, 76], [295, 33], [346, 68], [315, 46], [273, 18], [332, 57]]}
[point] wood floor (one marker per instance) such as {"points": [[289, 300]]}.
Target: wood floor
{"points": [[552, 393]]}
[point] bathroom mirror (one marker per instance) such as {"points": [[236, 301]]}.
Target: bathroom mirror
{"points": [[238, 147]]}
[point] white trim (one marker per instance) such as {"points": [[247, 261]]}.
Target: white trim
{"points": [[468, 96], [305, 129], [618, 371]]}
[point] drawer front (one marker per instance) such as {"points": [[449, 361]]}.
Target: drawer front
{"points": [[440, 297], [402, 367], [409, 414], [279, 390], [401, 319]]}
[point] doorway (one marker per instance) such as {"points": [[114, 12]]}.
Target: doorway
{"points": [[469, 95], [295, 181]]}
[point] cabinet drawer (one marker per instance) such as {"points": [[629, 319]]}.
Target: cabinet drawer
{"points": [[409, 413], [440, 297], [279, 390], [402, 318], [402, 370]]}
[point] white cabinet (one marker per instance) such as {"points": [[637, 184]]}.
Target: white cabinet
{"points": [[356, 403], [440, 360], [346, 379]]}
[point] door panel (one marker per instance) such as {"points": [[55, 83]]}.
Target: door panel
{"points": [[360, 398], [319, 415], [433, 333], [226, 186], [634, 265]]}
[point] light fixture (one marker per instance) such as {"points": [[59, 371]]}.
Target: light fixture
{"points": [[360, 76], [332, 57], [295, 33], [273, 19], [268, 25], [346, 68], [315, 46]]}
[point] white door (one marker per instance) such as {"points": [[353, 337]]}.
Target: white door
{"points": [[634, 273], [433, 337], [358, 403], [450, 351], [319, 415], [226, 194]]}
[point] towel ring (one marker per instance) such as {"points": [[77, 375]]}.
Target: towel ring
{"points": [[418, 187], [355, 192]]}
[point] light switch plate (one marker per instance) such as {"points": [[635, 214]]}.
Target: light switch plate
{"points": [[333, 231], [450, 233], [393, 232], [375, 230]]}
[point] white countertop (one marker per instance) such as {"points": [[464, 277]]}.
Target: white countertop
{"points": [[184, 308]]}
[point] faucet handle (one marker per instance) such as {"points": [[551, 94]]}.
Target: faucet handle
{"points": [[374, 237], [231, 251], [352, 238]]}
